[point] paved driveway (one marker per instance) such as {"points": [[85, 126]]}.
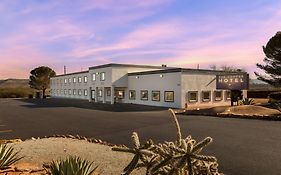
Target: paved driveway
{"points": [[241, 146]]}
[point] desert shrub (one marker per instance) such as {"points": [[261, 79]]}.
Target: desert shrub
{"points": [[181, 157], [72, 166], [8, 156], [15, 92], [247, 101], [275, 97]]}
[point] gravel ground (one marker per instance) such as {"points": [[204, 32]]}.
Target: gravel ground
{"points": [[40, 151]]}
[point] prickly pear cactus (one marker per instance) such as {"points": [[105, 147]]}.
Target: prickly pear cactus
{"points": [[181, 157]]}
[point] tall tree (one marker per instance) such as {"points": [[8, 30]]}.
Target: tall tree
{"points": [[272, 61], [40, 78]]}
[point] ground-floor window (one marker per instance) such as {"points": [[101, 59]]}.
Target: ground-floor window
{"points": [[108, 92], [206, 96], [69, 91], [85, 92], [192, 96], [74, 91], [100, 93], [132, 94], [144, 95], [79, 92], [65, 92], [120, 94], [58, 91], [169, 96], [227, 95], [217, 95], [155, 95]]}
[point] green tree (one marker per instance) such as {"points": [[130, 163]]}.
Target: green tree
{"points": [[40, 78], [272, 67]]}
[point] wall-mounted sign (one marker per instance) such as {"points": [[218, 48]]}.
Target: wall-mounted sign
{"points": [[233, 81]]}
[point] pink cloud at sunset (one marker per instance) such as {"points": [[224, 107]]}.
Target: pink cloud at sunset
{"points": [[177, 33]]}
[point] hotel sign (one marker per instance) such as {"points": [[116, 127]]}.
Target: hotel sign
{"points": [[233, 81]]}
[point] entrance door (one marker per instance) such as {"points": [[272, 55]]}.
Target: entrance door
{"points": [[93, 95]]}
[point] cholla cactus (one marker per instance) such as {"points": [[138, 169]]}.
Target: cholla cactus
{"points": [[171, 158]]}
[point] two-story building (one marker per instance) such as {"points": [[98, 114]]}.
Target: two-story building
{"points": [[141, 84]]}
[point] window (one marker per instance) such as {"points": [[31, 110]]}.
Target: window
{"points": [[69, 91], [94, 76], [155, 95], [169, 96], [58, 91], [227, 95], [206, 96], [65, 92], [65, 81], [61, 91], [74, 91], [100, 93], [79, 92], [74, 79], [120, 94], [132, 95], [85, 79], [85, 92], [102, 76], [193, 96], [69, 80], [79, 80], [144, 95], [217, 95], [108, 92]]}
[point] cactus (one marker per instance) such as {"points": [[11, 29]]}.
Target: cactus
{"points": [[247, 101], [181, 157]]}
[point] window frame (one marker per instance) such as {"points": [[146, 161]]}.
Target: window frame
{"points": [[155, 91], [205, 100], [189, 95], [144, 99], [165, 97], [221, 95], [85, 79], [99, 92], [94, 77], [85, 92], [74, 91], [108, 92], [134, 98], [102, 78], [227, 99], [117, 95], [79, 79], [80, 92], [74, 79]]}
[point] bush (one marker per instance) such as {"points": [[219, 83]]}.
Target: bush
{"points": [[247, 101], [181, 157], [275, 97], [15, 92], [72, 166]]}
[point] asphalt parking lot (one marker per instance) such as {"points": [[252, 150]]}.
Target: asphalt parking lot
{"points": [[242, 146]]}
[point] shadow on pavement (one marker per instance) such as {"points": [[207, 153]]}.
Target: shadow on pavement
{"points": [[118, 107]]}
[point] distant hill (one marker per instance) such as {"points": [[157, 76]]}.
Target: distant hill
{"points": [[14, 83]]}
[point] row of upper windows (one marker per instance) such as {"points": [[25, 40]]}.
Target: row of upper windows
{"points": [[69, 92], [74, 79]]}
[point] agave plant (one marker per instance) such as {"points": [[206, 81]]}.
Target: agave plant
{"points": [[182, 157], [8, 156], [73, 166], [247, 101]]}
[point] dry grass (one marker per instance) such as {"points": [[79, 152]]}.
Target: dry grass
{"points": [[251, 110]]}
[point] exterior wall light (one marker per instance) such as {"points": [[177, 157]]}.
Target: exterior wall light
{"points": [[97, 73], [161, 75], [137, 77]]}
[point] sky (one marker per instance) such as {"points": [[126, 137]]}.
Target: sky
{"points": [[181, 33]]}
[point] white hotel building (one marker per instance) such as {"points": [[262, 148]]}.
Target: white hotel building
{"points": [[140, 84]]}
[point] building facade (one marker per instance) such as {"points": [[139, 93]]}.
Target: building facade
{"points": [[138, 84]]}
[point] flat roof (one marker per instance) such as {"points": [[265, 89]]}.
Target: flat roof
{"points": [[184, 70], [127, 65], [72, 73]]}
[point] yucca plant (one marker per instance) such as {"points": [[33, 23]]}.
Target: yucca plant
{"points": [[72, 166], [8, 156], [181, 157], [247, 101]]}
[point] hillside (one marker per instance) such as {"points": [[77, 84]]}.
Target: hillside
{"points": [[14, 83]]}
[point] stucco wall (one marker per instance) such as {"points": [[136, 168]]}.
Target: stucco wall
{"points": [[199, 83], [153, 82]]}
